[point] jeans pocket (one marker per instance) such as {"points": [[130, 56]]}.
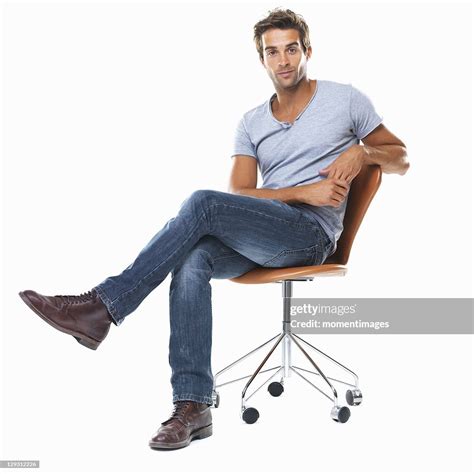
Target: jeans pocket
{"points": [[296, 258], [327, 247]]}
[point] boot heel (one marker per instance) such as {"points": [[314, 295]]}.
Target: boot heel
{"points": [[203, 432], [89, 343]]}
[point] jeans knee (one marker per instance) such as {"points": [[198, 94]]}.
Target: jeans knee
{"points": [[204, 197]]}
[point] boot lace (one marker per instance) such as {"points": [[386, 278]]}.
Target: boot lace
{"points": [[77, 299], [178, 411]]}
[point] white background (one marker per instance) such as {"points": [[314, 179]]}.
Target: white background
{"points": [[113, 113]]}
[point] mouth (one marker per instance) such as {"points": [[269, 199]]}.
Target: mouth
{"points": [[285, 73]]}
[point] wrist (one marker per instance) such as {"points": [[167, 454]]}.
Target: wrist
{"points": [[299, 193], [362, 154]]}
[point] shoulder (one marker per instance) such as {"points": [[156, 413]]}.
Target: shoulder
{"points": [[335, 88], [255, 116], [257, 112]]}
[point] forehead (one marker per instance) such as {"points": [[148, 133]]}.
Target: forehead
{"points": [[279, 38]]}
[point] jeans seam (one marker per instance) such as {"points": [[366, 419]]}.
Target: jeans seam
{"points": [[311, 249], [287, 252], [226, 256], [286, 221]]}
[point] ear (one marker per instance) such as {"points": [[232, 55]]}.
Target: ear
{"points": [[309, 52]]}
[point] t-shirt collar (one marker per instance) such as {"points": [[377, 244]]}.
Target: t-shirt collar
{"points": [[288, 124]]}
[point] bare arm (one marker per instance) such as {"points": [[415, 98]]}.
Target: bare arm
{"points": [[391, 158], [382, 147], [288, 195], [243, 180]]}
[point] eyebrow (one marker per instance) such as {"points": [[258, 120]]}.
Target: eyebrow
{"points": [[295, 43]]}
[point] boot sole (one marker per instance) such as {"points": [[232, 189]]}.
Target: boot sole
{"points": [[80, 338], [201, 433]]}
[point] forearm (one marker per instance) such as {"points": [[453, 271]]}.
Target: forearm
{"points": [[291, 195], [391, 158]]}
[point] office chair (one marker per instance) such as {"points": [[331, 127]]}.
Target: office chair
{"points": [[362, 191]]}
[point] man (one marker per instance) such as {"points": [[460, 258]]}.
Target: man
{"points": [[305, 140]]}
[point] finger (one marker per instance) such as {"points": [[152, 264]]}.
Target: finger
{"points": [[342, 190], [340, 194], [343, 183]]}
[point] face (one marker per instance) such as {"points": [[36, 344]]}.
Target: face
{"points": [[283, 51]]}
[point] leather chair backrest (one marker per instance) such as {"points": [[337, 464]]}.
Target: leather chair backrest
{"points": [[363, 189]]}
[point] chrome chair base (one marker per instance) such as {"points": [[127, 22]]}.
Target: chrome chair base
{"points": [[286, 338]]}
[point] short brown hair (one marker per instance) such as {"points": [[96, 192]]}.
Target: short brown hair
{"points": [[283, 20]]}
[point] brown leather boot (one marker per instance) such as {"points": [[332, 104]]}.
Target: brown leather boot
{"points": [[189, 420], [85, 316]]}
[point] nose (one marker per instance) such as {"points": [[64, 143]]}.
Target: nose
{"points": [[284, 61]]}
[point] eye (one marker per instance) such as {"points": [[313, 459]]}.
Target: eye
{"points": [[292, 50]]}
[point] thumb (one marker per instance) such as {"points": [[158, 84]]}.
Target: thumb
{"points": [[324, 170]]}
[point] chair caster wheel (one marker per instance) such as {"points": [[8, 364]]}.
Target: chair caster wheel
{"points": [[215, 399], [250, 415], [275, 389], [354, 397], [340, 414]]}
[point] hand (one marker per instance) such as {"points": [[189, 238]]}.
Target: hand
{"points": [[327, 192], [346, 166]]}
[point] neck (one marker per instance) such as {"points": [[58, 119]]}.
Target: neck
{"points": [[290, 99]]}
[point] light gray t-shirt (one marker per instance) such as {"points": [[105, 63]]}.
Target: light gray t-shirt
{"points": [[336, 117]]}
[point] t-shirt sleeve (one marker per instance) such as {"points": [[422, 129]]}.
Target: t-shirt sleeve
{"points": [[242, 143], [363, 116]]}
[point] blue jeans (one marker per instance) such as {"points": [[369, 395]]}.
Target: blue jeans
{"points": [[214, 235]]}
